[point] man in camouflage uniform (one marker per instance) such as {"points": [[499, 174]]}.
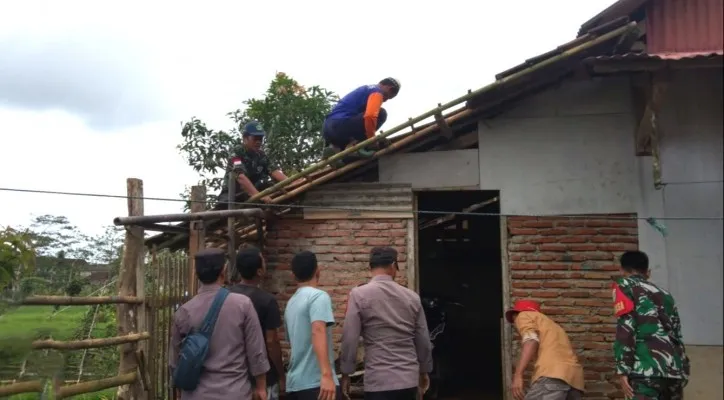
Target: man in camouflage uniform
{"points": [[649, 350], [251, 165]]}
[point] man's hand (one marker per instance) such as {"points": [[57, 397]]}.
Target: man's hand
{"points": [[626, 387], [424, 384], [517, 388], [266, 199], [327, 390], [260, 393], [346, 383]]}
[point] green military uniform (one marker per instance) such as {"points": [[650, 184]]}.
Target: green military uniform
{"points": [[256, 165], [649, 347]]}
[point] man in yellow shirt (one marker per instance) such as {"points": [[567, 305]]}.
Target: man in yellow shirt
{"points": [[557, 375]]}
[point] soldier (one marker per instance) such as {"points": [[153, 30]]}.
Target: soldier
{"points": [[357, 116], [390, 318], [649, 350], [558, 375], [251, 165]]}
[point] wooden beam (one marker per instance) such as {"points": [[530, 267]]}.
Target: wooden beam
{"points": [[445, 129], [21, 387], [461, 142], [101, 384], [197, 233], [647, 125], [612, 66], [90, 343], [132, 265]]}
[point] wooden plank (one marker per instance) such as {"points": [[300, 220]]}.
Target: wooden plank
{"points": [[197, 234], [128, 285], [445, 130]]}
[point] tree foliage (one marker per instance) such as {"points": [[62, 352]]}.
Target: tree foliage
{"points": [[17, 256], [292, 116]]}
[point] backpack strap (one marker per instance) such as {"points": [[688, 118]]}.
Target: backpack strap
{"points": [[207, 326]]}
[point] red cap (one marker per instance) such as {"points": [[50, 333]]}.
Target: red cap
{"points": [[522, 305]]}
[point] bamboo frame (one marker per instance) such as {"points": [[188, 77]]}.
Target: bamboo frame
{"points": [[94, 386], [21, 387], [141, 220], [470, 95], [90, 343], [79, 301]]}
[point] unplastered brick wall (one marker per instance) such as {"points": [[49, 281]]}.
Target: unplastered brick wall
{"points": [[567, 264], [342, 248]]}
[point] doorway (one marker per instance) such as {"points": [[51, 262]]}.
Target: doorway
{"points": [[460, 281]]}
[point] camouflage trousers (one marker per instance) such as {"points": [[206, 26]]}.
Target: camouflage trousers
{"points": [[657, 389]]}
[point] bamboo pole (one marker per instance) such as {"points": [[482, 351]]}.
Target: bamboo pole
{"points": [[100, 384], [198, 216], [131, 271], [21, 387], [493, 86], [90, 343], [78, 301], [197, 234]]}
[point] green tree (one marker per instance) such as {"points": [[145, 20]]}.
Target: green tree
{"points": [[17, 256], [292, 116]]}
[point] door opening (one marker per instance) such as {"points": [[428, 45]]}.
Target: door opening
{"points": [[460, 281]]}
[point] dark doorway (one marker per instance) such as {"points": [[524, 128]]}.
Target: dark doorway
{"points": [[460, 270]]}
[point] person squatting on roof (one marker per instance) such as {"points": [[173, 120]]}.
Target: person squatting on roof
{"points": [[236, 348], [651, 359], [391, 320], [356, 118]]}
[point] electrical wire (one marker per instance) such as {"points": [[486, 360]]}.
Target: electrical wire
{"points": [[352, 209]]}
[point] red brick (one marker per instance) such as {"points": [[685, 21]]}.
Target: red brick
{"points": [[553, 247], [522, 231], [536, 223]]}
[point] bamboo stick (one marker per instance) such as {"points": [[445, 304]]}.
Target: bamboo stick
{"points": [[90, 343], [493, 86], [199, 216], [79, 301], [100, 384], [21, 387]]}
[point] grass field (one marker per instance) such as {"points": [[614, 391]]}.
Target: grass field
{"points": [[22, 325]]}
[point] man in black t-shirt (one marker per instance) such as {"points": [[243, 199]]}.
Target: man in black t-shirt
{"points": [[250, 270]]}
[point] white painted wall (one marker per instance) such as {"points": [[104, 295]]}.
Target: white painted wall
{"points": [[432, 170], [571, 151], [565, 151]]}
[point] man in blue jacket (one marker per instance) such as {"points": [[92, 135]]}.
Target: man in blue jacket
{"points": [[357, 116]]}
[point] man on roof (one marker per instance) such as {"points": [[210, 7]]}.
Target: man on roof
{"points": [[357, 116], [251, 166]]}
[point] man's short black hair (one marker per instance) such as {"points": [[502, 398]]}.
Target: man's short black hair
{"points": [[635, 261], [209, 264], [248, 261], [383, 257], [304, 265]]}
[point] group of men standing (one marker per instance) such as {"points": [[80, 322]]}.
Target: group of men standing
{"points": [[245, 357], [245, 360]]}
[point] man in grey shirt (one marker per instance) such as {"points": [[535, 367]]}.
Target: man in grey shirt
{"points": [[390, 318], [236, 349]]}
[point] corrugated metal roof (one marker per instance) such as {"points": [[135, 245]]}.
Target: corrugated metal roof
{"points": [[660, 56], [355, 200], [675, 26]]}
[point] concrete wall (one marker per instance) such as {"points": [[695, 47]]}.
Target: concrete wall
{"points": [[570, 150], [432, 170]]}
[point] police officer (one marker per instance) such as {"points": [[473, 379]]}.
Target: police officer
{"points": [[251, 166]]}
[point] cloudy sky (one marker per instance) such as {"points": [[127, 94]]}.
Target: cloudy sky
{"points": [[92, 94]]}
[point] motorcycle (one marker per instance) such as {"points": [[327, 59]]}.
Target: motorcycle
{"points": [[436, 315]]}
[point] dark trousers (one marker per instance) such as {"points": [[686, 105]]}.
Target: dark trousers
{"points": [[311, 394], [222, 202], [401, 394], [657, 388], [340, 132]]}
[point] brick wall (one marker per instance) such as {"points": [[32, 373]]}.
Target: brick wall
{"points": [[342, 248], [567, 264]]}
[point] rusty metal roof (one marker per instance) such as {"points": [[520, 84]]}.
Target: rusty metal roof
{"points": [[691, 26], [658, 56]]}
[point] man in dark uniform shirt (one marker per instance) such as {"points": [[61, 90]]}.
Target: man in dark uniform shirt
{"points": [[251, 165], [250, 270]]}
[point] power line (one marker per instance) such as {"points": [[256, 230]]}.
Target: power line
{"points": [[352, 209]]}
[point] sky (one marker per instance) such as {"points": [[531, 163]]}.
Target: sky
{"points": [[92, 94]]}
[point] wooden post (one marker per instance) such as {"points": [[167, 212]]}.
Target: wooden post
{"points": [[131, 318], [197, 235], [231, 224]]}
